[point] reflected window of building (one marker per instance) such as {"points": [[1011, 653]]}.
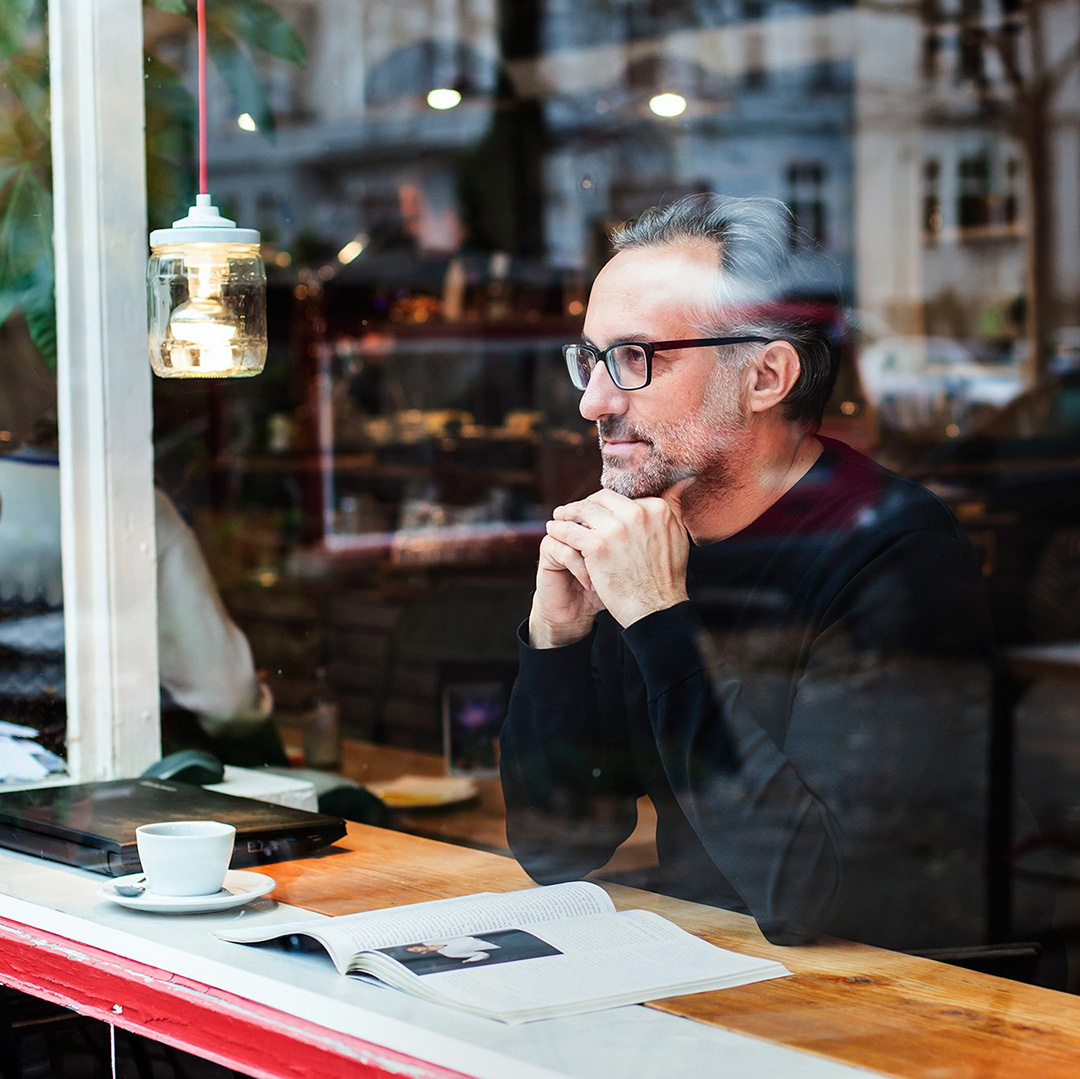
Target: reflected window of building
{"points": [[806, 200], [932, 216], [973, 199], [755, 70], [1011, 201]]}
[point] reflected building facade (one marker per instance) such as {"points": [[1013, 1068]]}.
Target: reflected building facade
{"points": [[905, 138]]}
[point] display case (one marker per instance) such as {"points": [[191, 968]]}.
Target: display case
{"points": [[379, 516]]}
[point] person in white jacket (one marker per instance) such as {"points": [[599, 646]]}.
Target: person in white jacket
{"points": [[206, 665]]}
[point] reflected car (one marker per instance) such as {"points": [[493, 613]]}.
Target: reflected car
{"points": [[933, 385]]}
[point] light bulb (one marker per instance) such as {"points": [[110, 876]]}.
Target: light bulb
{"points": [[443, 98], [668, 105], [350, 251], [200, 336]]}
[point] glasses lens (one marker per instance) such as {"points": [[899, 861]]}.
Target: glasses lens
{"points": [[579, 362], [630, 366]]}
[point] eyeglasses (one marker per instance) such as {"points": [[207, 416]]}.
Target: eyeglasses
{"points": [[630, 365]]}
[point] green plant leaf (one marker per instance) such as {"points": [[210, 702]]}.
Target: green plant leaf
{"points": [[170, 188], [27, 273], [166, 94], [41, 323], [25, 229], [38, 306], [259, 26], [236, 68], [170, 143], [173, 7], [6, 173], [27, 77], [9, 301], [16, 17]]}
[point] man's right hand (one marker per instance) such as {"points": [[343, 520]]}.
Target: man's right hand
{"points": [[564, 605]]}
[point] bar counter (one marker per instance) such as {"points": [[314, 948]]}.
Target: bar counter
{"points": [[847, 1008]]}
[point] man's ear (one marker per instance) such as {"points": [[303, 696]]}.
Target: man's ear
{"points": [[772, 375]]}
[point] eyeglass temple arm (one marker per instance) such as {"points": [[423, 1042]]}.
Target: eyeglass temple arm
{"points": [[702, 342]]}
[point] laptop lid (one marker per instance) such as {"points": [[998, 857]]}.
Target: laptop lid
{"points": [[92, 825]]}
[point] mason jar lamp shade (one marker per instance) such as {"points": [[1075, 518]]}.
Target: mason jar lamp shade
{"points": [[205, 282], [206, 289]]}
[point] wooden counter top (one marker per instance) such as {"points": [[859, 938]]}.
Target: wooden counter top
{"points": [[891, 1013]]}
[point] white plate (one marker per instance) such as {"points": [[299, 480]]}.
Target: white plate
{"points": [[421, 792], [240, 888]]}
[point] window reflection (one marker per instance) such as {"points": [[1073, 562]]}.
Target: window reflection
{"points": [[373, 505]]}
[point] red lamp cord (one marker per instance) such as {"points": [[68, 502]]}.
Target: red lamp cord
{"points": [[201, 21]]}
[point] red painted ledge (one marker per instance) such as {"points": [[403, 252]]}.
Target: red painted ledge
{"points": [[241, 1034]]}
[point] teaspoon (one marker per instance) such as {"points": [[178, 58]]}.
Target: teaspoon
{"points": [[131, 889]]}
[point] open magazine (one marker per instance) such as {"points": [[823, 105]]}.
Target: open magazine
{"points": [[519, 956]]}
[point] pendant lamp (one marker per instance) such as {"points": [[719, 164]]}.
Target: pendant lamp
{"points": [[206, 284]]}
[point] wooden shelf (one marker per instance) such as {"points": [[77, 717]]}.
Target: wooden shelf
{"points": [[365, 464]]}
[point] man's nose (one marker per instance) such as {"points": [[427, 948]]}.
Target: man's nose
{"points": [[601, 397]]}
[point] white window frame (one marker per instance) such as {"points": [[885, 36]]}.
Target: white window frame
{"points": [[103, 392]]}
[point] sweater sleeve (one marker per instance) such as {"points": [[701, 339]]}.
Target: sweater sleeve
{"points": [[570, 794], [896, 683]]}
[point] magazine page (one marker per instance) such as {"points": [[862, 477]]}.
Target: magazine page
{"points": [[564, 967], [348, 934]]}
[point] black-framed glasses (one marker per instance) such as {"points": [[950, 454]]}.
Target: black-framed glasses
{"points": [[630, 364]]}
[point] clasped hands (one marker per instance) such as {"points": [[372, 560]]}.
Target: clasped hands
{"points": [[625, 555]]}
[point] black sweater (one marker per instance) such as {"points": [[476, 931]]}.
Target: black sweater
{"points": [[811, 726]]}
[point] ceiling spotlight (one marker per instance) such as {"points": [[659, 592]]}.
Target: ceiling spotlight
{"points": [[668, 105], [443, 98], [351, 249], [246, 122]]}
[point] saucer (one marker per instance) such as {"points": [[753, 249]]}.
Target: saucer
{"points": [[240, 888]]}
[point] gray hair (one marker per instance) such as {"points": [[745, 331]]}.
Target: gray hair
{"points": [[753, 239]]}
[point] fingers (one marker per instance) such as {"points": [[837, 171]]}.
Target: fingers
{"points": [[579, 537], [604, 508], [557, 555], [600, 510], [610, 500], [587, 512]]}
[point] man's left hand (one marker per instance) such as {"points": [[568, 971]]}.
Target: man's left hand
{"points": [[635, 549]]}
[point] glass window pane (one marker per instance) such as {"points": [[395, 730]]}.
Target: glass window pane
{"points": [[436, 184], [32, 683]]}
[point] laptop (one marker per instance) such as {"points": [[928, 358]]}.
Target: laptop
{"points": [[92, 825]]}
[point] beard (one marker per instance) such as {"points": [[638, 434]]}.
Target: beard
{"points": [[705, 444]]}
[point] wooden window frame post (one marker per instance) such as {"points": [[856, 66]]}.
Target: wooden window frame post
{"points": [[103, 375]]}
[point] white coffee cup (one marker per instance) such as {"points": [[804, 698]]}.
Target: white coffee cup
{"points": [[185, 857]]}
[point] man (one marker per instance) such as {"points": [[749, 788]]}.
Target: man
{"points": [[783, 645]]}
